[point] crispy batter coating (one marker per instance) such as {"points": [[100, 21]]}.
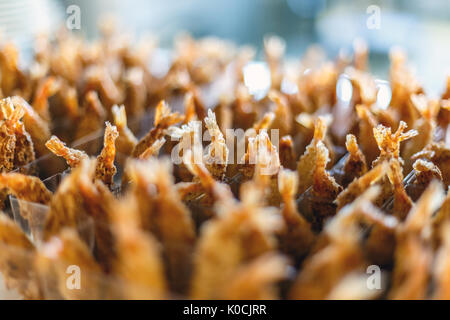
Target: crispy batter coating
{"points": [[93, 116], [296, 237], [424, 172], [242, 231], [105, 169], [319, 199], [258, 279], [81, 204], [441, 265], [28, 188], [216, 157], [139, 262], [55, 262], [355, 165], [283, 116], [153, 150], [73, 157], [16, 257], [402, 201], [37, 127], [164, 118], [24, 149], [126, 141], [413, 254], [163, 214], [287, 153], [7, 145], [425, 127], [307, 161], [365, 90], [366, 125], [359, 185], [439, 154], [325, 269], [389, 145], [45, 90]]}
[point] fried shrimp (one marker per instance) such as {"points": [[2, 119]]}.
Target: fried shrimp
{"points": [[164, 214], [216, 157], [93, 116], [37, 127], [73, 157], [425, 127], [355, 165], [296, 236], [243, 231], [366, 125], [25, 187], [126, 141], [139, 261], [164, 118], [361, 184], [402, 201], [439, 154], [58, 255], [413, 254], [258, 279], [287, 153], [424, 172], [324, 270], [153, 150], [283, 116], [47, 88], [24, 149], [389, 145], [16, 256], [105, 169], [442, 265], [7, 139], [307, 161], [81, 204]]}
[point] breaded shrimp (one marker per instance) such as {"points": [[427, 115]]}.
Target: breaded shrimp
{"points": [[37, 127], [307, 162], [355, 165], [47, 88], [242, 231], [24, 149], [164, 118], [93, 116], [216, 157], [153, 150], [72, 156], [287, 153], [139, 261], [359, 185], [258, 279], [402, 201], [164, 214], [16, 256], [296, 237], [56, 258], [24, 187], [105, 169], [126, 141]]}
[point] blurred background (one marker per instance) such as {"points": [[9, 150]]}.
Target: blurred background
{"points": [[421, 27]]}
